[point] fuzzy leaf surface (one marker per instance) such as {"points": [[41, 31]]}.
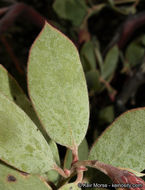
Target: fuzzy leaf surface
{"points": [[57, 87], [122, 144], [14, 180], [11, 89], [70, 186], [21, 143]]}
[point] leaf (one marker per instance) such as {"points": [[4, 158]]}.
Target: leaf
{"points": [[14, 180], [21, 143], [82, 152], [70, 186], [122, 144], [125, 10], [106, 115], [138, 174], [57, 87], [55, 152], [120, 176], [110, 63], [53, 175], [98, 8], [10, 88], [98, 54], [88, 56], [93, 81], [73, 10], [134, 54]]}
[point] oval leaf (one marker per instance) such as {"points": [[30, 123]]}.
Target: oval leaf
{"points": [[110, 63], [11, 89], [122, 144], [88, 57], [134, 53], [21, 143], [14, 180], [57, 87]]}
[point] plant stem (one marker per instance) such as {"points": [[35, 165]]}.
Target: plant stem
{"points": [[80, 175], [60, 171], [105, 168], [75, 154], [112, 92]]}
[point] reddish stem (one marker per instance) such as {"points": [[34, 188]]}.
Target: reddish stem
{"points": [[75, 154]]}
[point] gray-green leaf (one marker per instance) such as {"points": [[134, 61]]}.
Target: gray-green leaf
{"points": [[57, 87], [21, 143], [14, 180], [70, 186], [10, 88], [122, 144]]}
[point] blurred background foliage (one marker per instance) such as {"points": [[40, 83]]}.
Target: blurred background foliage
{"points": [[109, 35]]}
